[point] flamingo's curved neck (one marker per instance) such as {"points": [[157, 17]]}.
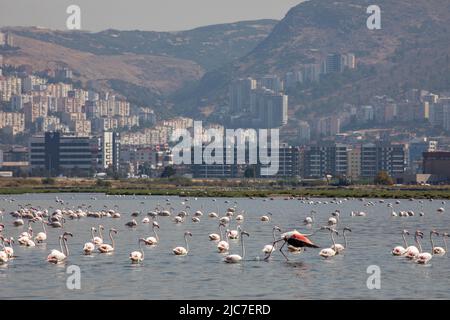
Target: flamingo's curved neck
{"points": [[112, 239], [100, 233], [186, 242], [156, 235], [432, 242], [220, 231], [60, 244], [418, 244], [65, 246], [92, 234], [345, 239], [332, 238], [242, 246], [404, 240]]}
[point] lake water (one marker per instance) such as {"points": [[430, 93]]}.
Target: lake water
{"points": [[202, 274]]}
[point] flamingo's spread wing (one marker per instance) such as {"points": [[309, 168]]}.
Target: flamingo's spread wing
{"points": [[297, 239]]}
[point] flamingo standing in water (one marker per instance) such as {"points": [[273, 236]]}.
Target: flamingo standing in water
{"points": [[89, 247], [412, 251], [235, 258], [399, 250], [224, 245], [329, 252], [439, 251], [425, 257], [310, 220], [56, 256], [138, 256], [294, 239], [8, 250], [150, 241], [215, 236], [266, 218], [339, 247], [41, 236], [182, 251], [98, 240], [106, 248], [268, 248]]}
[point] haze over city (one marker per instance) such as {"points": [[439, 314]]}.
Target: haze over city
{"points": [[151, 15]]}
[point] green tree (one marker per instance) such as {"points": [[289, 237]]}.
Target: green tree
{"points": [[383, 178]]}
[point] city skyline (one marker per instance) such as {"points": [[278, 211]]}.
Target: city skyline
{"points": [[154, 15]]}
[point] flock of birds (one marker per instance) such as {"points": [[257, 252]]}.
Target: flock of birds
{"points": [[296, 242]]}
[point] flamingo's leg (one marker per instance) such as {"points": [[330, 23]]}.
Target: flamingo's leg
{"points": [[283, 252], [273, 245]]}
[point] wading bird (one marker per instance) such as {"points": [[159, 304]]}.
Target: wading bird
{"points": [[294, 239], [182, 251]]}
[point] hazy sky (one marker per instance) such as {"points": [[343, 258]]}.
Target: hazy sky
{"points": [[158, 15]]}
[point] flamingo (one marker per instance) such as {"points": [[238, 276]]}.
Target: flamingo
{"points": [[437, 250], [266, 218], [3, 257], [329, 252], [399, 250], [294, 239], [339, 247], [412, 251], [56, 256], [268, 248], [310, 220], [98, 240], [181, 251], [41, 236], [146, 220], [215, 236], [106, 248], [131, 223], [224, 245], [153, 240], [235, 258], [138, 256], [89, 247], [8, 250], [442, 251], [424, 257], [240, 217]]}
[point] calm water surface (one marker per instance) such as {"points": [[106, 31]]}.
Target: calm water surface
{"points": [[203, 275]]}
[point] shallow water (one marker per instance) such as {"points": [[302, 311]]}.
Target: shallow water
{"points": [[203, 275]]}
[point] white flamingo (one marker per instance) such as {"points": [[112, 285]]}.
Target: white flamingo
{"points": [[424, 257], [412, 251], [329, 252], [223, 246], [339, 247], [56, 256], [138, 256], [150, 241], [98, 240], [108, 248], [182, 251], [235, 258], [8, 250], [310, 220], [89, 247], [269, 248], [439, 250], [215, 236], [399, 250], [266, 218], [41, 236]]}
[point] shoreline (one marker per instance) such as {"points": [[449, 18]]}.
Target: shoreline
{"points": [[211, 188]]}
